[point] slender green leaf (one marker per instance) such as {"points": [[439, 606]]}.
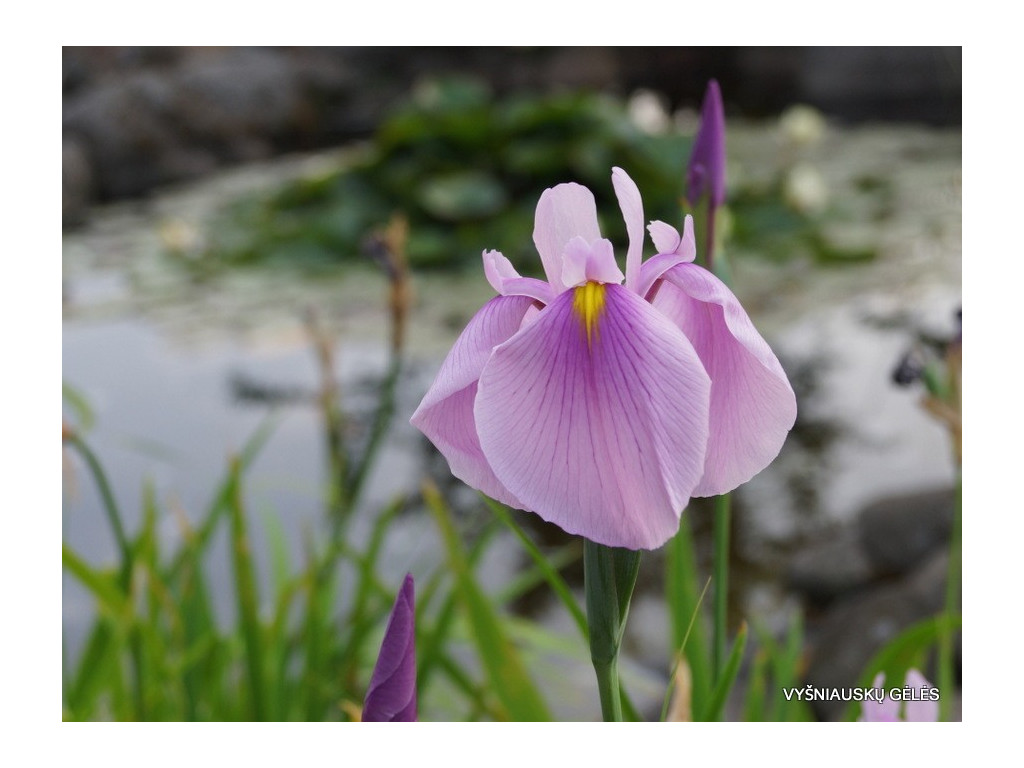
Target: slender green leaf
{"points": [[500, 658], [684, 597], [198, 540], [720, 695], [551, 576], [79, 405], [756, 701], [247, 596], [102, 585], [681, 655]]}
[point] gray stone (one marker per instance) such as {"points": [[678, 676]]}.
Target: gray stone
{"points": [[76, 180], [830, 567], [851, 633], [899, 532]]}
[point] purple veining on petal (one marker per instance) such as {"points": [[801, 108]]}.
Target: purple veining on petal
{"points": [[445, 415], [604, 439], [752, 403]]}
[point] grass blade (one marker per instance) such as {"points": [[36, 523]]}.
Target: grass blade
{"points": [[685, 599], [551, 576], [247, 596], [500, 658], [716, 705]]}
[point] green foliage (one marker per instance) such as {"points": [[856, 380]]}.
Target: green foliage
{"points": [[763, 223], [773, 665], [505, 669], [305, 650], [467, 170]]}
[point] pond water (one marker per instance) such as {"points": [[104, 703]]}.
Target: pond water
{"points": [[159, 356]]}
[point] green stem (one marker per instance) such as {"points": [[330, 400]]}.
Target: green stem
{"points": [[946, 671], [608, 688], [609, 575], [721, 580]]}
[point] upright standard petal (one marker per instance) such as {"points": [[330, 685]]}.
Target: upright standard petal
{"points": [[445, 415], [391, 696], [632, 207], [563, 212], [596, 417], [752, 403]]}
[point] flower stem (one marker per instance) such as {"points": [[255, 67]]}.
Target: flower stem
{"points": [[608, 688], [946, 671], [609, 577], [721, 581]]}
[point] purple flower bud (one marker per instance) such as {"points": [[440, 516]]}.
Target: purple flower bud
{"points": [[706, 172], [391, 696]]}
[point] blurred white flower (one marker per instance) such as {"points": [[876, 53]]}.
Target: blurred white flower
{"points": [[804, 189], [802, 125], [647, 111], [181, 238]]}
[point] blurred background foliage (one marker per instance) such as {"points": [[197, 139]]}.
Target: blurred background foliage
{"points": [[466, 169]]}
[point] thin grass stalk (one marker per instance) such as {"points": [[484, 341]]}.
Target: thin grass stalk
{"points": [[247, 598], [110, 507]]}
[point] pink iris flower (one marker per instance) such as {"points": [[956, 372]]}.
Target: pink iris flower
{"points": [[888, 710], [603, 401]]}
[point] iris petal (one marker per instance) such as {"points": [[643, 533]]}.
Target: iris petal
{"points": [[604, 436], [632, 208], [445, 415], [563, 212], [752, 403]]}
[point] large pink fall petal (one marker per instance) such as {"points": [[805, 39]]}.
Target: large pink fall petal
{"points": [[445, 415], [563, 212], [602, 434], [752, 403]]}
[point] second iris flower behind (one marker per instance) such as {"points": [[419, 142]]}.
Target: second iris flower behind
{"points": [[603, 401]]}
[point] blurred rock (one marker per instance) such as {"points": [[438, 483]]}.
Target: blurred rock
{"points": [[851, 633], [148, 116], [899, 532], [76, 181], [830, 568], [238, 104]]}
